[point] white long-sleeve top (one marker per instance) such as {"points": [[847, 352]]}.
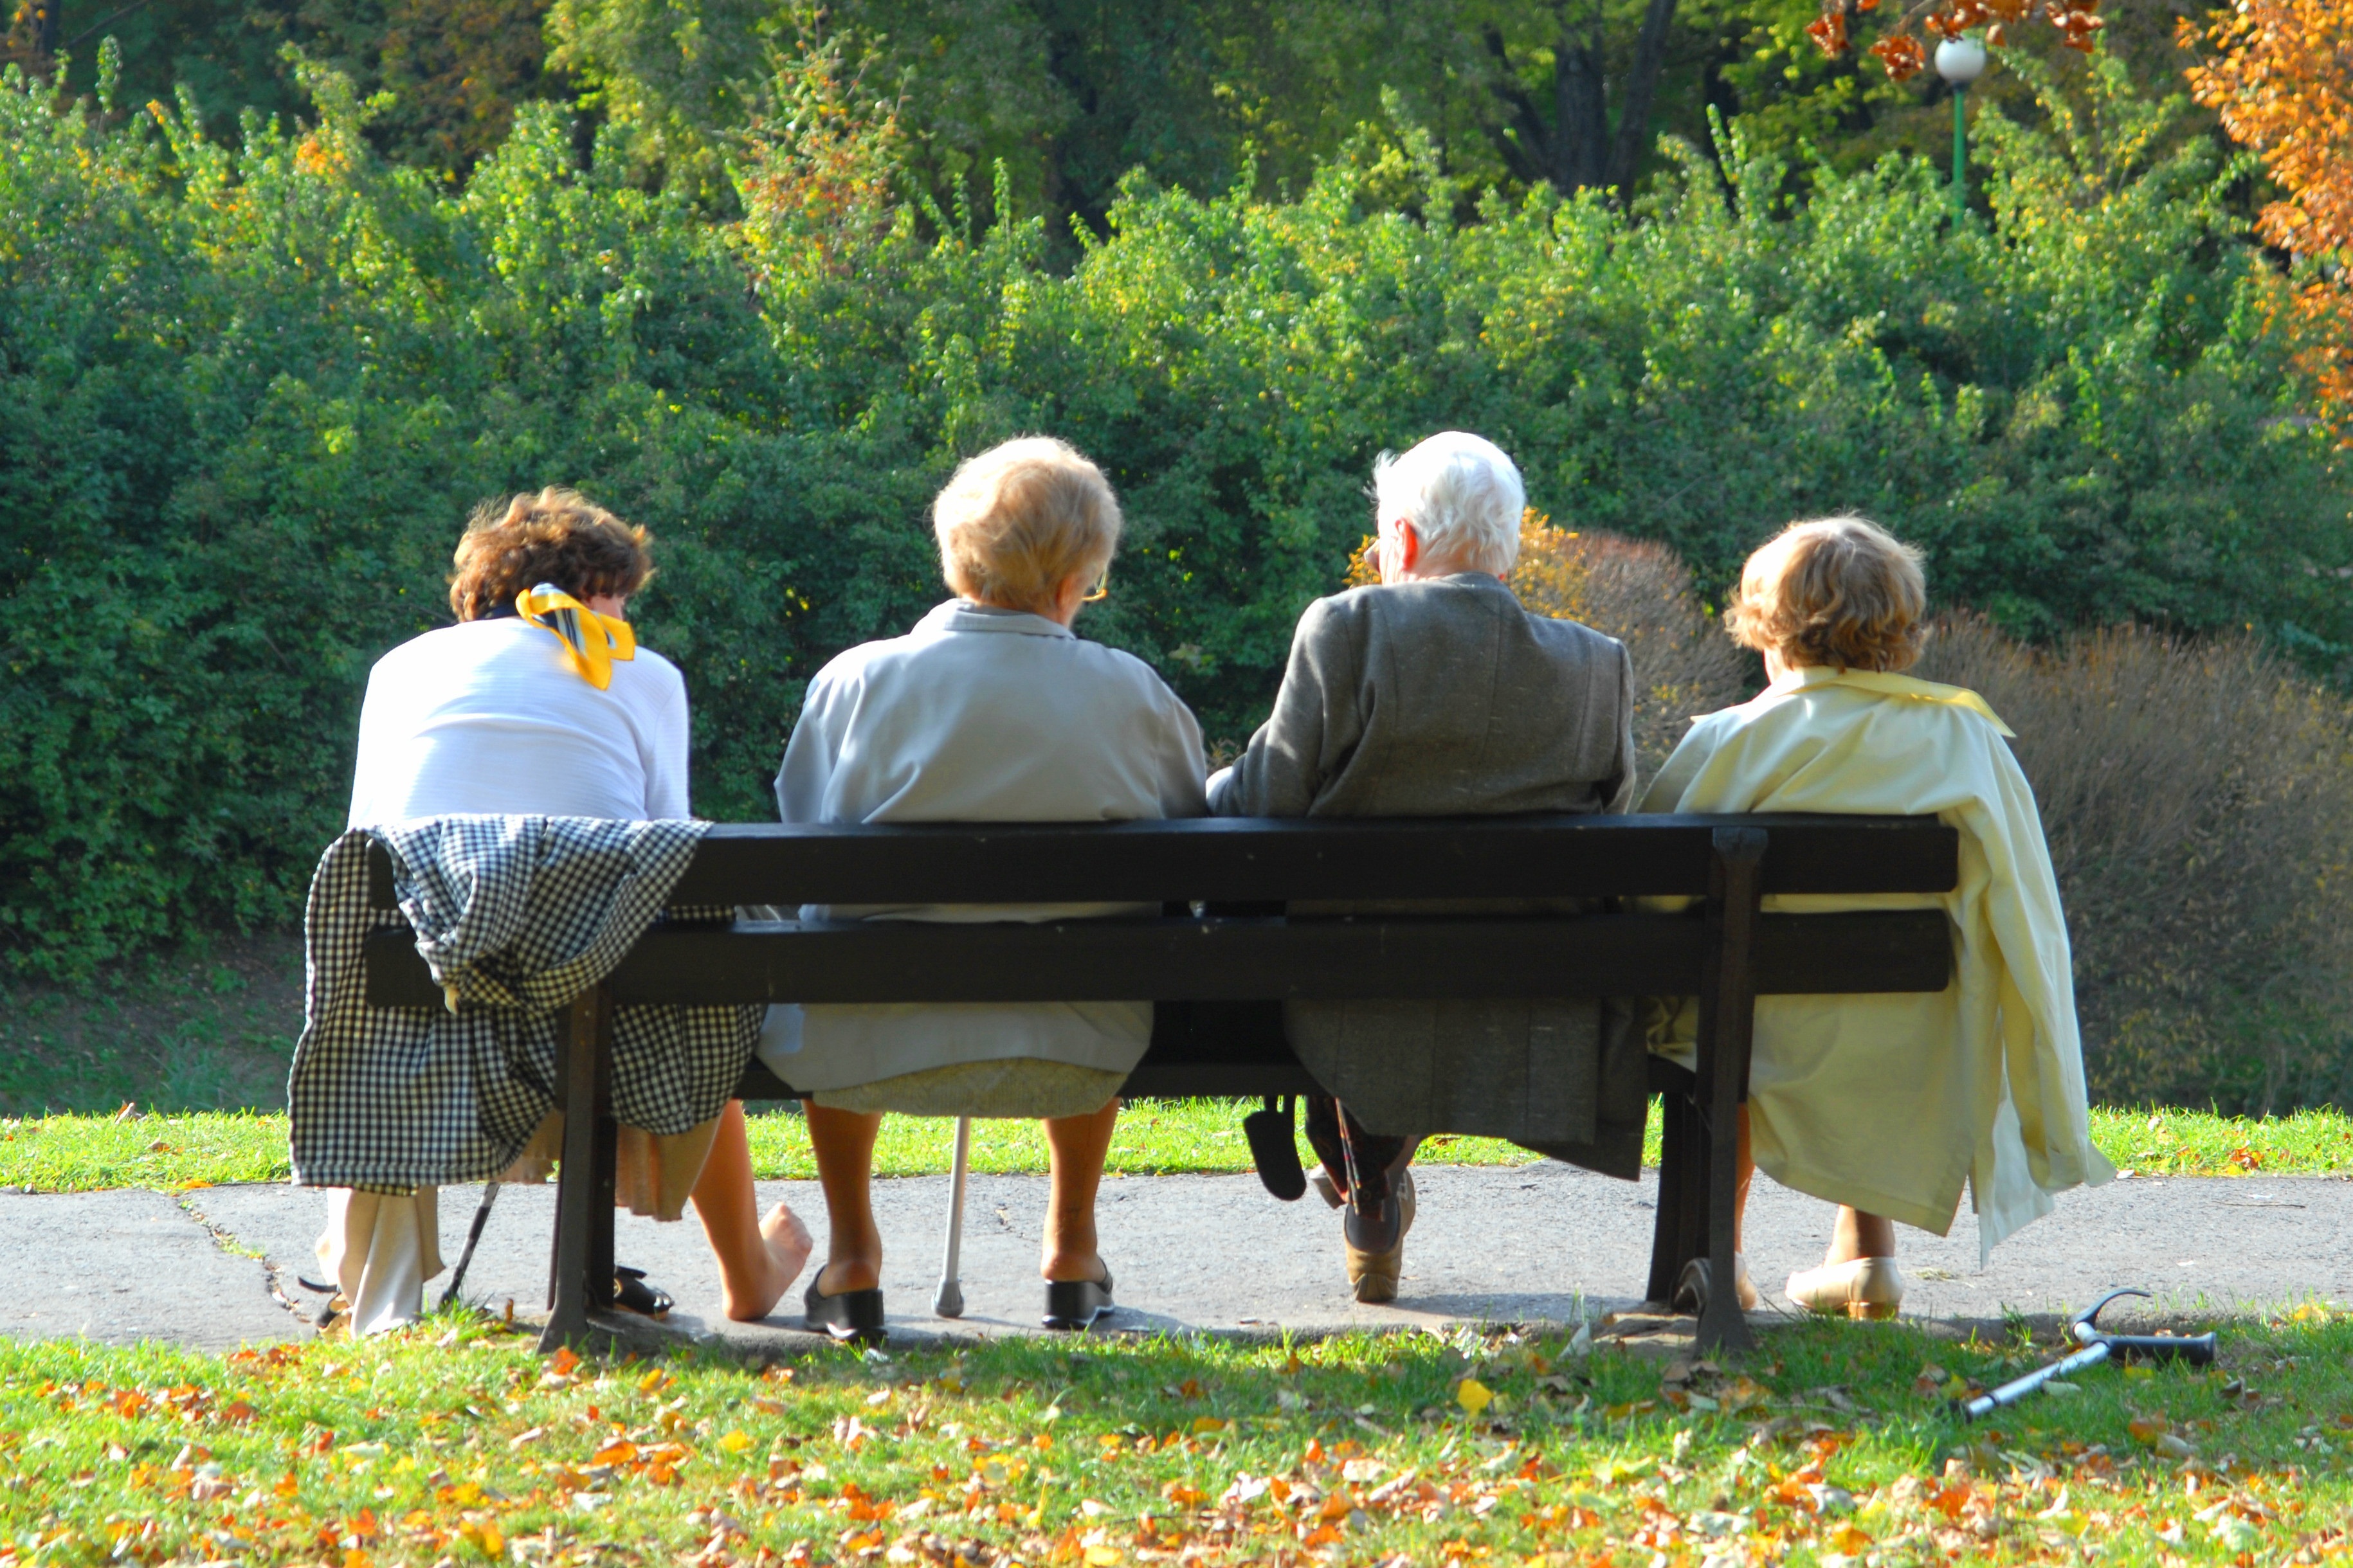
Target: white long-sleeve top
{"points": [[979, 715], [490, 716]]}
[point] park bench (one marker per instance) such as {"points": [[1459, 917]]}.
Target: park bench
{"points": [[1723, 950]]}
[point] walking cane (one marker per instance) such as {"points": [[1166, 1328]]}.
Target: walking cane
{"points": [[949, 1302], [2085, 1329], [481, 1217]]}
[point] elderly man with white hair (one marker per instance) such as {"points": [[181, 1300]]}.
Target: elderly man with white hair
{"points": [[1436, 694]]}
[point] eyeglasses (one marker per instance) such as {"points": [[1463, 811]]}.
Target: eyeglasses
{"points": [[1101, 589]]}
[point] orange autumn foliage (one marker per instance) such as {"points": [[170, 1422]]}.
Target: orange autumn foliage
{"points": [[2283, 84]]}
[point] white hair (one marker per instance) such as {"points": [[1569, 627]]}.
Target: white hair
{"points": [[1461, 494]]}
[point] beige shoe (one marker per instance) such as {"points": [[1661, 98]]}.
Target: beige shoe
{"points": [[1692, 1286], [1373, 1276], [1865, 1287]]}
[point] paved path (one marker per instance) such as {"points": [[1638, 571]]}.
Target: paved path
{"points": [[1539, 1242]]}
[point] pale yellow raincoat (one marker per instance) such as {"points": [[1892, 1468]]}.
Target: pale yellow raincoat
{"points": [[1888, 1102]]}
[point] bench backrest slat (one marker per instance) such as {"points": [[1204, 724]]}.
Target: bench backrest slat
{"points": [[1236, 959], [1254, 860]]}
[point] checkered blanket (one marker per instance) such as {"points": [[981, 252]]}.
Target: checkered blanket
{"points": [[515, 916]]}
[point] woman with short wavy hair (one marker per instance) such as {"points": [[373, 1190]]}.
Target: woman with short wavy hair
{"points": [[539, 702], [1889, 1105]]}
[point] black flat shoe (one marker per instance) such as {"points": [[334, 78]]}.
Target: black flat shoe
{"points": [[1073, 1305], [853, 1315], [632, 1294]]}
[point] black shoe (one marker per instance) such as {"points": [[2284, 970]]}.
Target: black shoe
{"points": [[632, 1294], [1073, 1305], [854, 1315]]}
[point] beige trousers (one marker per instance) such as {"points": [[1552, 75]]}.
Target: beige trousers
{"points": [[380, 1249]]}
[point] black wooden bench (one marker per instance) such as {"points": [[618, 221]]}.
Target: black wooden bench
{"points": [[1723, 951]]}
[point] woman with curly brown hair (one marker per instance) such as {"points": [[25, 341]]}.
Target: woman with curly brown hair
{"points": [[1887, 1105], [539, 702]]}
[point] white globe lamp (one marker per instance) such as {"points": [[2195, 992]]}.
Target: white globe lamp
{"points": [[1960, 61]]}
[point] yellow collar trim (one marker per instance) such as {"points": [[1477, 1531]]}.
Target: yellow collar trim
{"points": [[1888, 685], [592, 642]]}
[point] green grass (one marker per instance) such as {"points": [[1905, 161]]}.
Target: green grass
{"points": [[82, 1153], [206, 1029], [453, 1442]]}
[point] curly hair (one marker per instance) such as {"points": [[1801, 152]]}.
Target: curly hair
{"points": [[1838, 591], [557, 536], [1022, 517]]}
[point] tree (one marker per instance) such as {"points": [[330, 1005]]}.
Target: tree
{"points": [[1577, 148], [2284, 85]]}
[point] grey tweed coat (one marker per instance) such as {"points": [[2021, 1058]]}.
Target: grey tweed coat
{"points": [[1445, 697]]}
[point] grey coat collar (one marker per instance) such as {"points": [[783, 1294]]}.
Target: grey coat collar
{"points": [[964, 616]]}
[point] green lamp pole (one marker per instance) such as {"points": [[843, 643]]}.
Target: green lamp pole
{"points": [[1960, 61]]}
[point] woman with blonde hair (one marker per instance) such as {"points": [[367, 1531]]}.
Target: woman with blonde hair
{"points": [[991, 710], [1887, 1105], [512, 711]]}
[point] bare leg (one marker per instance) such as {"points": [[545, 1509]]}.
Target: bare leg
{"points": [[843, 1142], [1860, 1234], [758, 1259], [1076, 1146], [1855, 1235]]}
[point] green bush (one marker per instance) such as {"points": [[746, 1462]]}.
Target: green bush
{"points": [[248, 394]]}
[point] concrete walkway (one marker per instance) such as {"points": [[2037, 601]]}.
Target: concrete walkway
{"points": [[1531, 1243]]}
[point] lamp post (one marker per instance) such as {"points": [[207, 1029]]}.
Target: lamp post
{"points": [[1960, 61]]}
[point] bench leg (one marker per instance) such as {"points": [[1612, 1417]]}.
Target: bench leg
{"points": [[583, 1272], [1675, 1238], [1727, 1008]]}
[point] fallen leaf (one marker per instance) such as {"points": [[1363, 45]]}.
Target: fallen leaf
{"points": [[1473, 1395]]}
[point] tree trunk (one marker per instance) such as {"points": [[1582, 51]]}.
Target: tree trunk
{"points": [[1581, 106], [1577, 151], [1641, 87]]}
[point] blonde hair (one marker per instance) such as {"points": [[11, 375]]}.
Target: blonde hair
{"points": [[1018, 520], [557, 536], [1838, 591]]}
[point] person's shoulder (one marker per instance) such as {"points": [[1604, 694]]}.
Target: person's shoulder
{"points": [[1117, 666], [1571, 635], [654, 672], [1349, 610], [855, 665], [441, 645]]}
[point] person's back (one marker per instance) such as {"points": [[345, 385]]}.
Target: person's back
{"points": [[1437, 694], [490, 716], [1441, 698], [984, 714]]}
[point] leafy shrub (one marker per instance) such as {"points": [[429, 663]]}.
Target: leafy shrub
{"points": [[248, 395], [2199, 801]]}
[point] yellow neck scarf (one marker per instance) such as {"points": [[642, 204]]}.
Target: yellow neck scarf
{"points": [[591, 641], [1888, 685]]}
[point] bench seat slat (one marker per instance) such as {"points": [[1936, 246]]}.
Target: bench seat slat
{"points": [[1232, 860], [1233, 959]]}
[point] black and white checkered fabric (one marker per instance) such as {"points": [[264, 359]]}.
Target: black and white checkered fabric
{"points": [[519, 915]]}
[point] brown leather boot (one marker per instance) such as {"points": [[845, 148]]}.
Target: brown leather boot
{"points": [[1376, 1242]]}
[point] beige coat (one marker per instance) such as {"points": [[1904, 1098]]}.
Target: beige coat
{"points": [[1890, 1102], [979, 715]]}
